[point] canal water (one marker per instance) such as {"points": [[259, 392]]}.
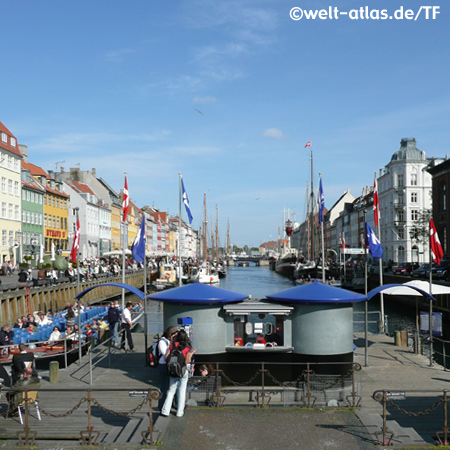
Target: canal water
{"points": [[261, 281]]}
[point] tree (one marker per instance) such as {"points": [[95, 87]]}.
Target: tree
{"points": [[420, 229]]}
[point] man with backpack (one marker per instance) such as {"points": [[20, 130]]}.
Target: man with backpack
{"points": [[113, 320], [157, 359], [178, 356]]}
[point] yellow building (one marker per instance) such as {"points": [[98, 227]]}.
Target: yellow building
{"points": [[56, 212], [116, 240], [10, 196]]}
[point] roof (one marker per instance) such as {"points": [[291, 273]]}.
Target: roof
{"points": [[83, 187], [408, 151], [7, 145], [34, 170], [316, 292], [198, 293]]}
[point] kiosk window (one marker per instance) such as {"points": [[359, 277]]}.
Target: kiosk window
{"points": [[259, 328]]}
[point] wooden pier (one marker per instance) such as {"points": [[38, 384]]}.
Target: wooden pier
{"points": [[122, 418]]}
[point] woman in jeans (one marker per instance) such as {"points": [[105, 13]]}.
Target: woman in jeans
{"points": [[178, 385], [163, 346]]}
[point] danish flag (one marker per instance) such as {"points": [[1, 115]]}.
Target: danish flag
{"points": [[125, 201], [376, 202], [76, 243], [436, 248], [308, 144]]}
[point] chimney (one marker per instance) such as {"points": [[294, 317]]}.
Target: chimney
{"points": [[24, 151], [94, 172]]}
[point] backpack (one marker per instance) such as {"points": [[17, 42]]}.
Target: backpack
{"points": [[153, 354], [176, 364]]}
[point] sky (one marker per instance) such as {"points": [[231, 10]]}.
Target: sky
{"points": [[227, 93]]}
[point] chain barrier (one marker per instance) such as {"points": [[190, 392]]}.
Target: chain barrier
{"points": [[245, 383], [384, 397], [119, 414], [90, 435]]}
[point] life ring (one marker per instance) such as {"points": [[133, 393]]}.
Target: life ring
{"points": [[211, 279], [167, 275]]}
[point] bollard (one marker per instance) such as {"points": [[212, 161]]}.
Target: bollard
{"points": [[404, 338], [397, 338], [54, 371]]}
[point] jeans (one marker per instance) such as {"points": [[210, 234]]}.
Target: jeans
{"points": [[115, 333], [126, 335], [164, 382], [177, 385]]}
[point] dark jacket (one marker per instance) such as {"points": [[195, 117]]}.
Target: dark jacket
{"points": [[113, 315], [6, 338], [18, 365]]}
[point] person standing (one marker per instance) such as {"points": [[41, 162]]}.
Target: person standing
{"points": [[163, 346], [127, 326], [113, 320], [178, 385], [20, 362]]}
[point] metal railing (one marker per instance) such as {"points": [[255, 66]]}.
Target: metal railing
{"points": [[392, 399], [310, 388], [374, 322], [90, 435]]}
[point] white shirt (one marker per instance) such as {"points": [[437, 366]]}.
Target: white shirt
{"points": [[126, 315], [163, 346]]}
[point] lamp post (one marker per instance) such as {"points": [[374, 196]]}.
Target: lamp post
{"points": [[77, 209]]}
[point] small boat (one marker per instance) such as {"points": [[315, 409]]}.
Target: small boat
{"points": [[243, 264], [208, 275], [167, 277]]}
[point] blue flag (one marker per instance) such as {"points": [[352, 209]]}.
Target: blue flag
{"points": [[375, 248], [321, 202], [186, 202], [138, 247]]}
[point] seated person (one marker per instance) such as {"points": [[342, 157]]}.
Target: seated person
{"points": [[28, 380], [22, 361], [56, 335], [23, 276]]}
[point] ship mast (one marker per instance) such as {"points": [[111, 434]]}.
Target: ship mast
{"points": [[217, 234], [205, 232], [312, 220]]}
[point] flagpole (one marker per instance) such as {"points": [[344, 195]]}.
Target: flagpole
{"points": [[124, 243], [380, 261], [430, 320], [321, 229], [179, 228], [366, 306], [80, 353], [145, 286]]}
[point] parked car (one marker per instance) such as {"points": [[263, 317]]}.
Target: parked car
{"points": [[405, 268], [422, 271], [441, 271]]}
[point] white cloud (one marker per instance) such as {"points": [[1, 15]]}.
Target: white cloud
{"points": [[274, 133]]}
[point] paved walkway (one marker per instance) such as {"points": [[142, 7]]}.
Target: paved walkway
{"points": [[249, 427]]}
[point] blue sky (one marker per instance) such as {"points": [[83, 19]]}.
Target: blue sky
{"points": [[228, 93]]}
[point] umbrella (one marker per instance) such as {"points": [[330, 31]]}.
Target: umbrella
{"points": [[198, 293], [405, 289], [317, 292]]}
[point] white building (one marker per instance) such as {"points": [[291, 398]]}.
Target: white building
{"points": [[404, 189]]}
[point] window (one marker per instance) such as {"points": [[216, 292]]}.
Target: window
{"points": [[4, 138], [401, 233], [444, 198], [4, 238], [16, 212], [413, 197], [4, 210], [13, 142], [10, 187], [28, 217], [45, 220], [401, 200], [414, 214], [16, 188], [10, 210], [414, 179], [258, 328], [401, 254], [401, 216], [10, 162], [24, 216], [400, 180], [4, 185]]}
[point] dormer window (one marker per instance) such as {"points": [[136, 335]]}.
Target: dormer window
{"points": [[13, 142], [4, 138]]}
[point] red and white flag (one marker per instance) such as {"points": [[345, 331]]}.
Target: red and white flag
{"points": [[376, 202], [435, 245], [125, 201], [76, 243], [308, 144], [342, 241]]}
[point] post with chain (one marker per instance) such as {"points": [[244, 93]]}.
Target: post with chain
{"points": [[153, 394], [445, 428], [90, 429], [381, 396]]}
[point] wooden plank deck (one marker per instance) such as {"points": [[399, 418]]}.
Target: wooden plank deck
{"points": [[127, 371]]}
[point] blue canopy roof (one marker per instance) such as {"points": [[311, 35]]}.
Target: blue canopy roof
{"points": [[128, 287], [316, 292], [198, 293]]}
